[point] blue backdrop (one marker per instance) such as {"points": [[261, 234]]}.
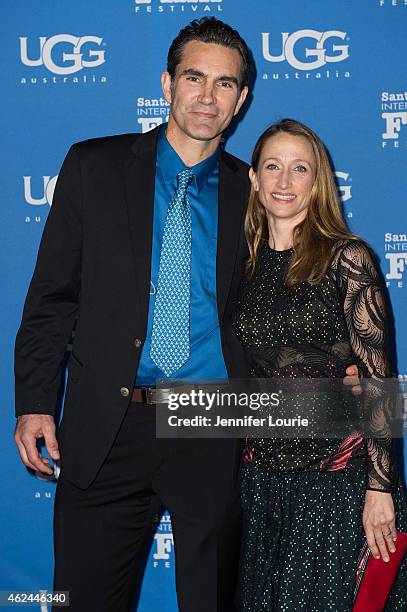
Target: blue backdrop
{"points": [[74, 70]]}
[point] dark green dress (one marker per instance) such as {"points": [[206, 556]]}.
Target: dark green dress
{"points": [[303, 498]]}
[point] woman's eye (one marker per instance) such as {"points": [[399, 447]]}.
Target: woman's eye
{"points": [[300, 169], [272, 167]]}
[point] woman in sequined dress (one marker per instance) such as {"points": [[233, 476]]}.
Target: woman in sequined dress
{"points": [[312, 304]]}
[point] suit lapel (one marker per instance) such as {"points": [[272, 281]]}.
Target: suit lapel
{"points": [[140, 171], [231, 209]]}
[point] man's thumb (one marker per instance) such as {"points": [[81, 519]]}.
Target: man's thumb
{"points": [[52, 448]]}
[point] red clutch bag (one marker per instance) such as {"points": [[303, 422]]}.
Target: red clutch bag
{"points": [[375, 577]]}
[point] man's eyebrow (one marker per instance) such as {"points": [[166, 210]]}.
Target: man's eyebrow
{"points": [[229, 79], [193, 72], [199, 73]]}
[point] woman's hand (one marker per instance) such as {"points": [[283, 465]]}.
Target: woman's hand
{"points": [[379, 523], [352, 379]]}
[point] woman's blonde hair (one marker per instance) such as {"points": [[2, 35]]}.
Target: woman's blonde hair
{"points": [[323, 226]]}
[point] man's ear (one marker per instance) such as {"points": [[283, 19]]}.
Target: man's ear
{"points": [[166, 86], [241, 99], [253, 179]]}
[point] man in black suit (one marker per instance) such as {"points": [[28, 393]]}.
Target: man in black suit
{"points": [[99, 256]]}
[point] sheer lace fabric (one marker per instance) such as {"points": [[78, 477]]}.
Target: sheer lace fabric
{"points": [[307, 332]]}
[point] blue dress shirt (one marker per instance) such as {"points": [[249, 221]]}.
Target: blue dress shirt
{"points": [[206, 361]]}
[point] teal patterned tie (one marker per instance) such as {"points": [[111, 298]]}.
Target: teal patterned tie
{"points": [[170, 334]]}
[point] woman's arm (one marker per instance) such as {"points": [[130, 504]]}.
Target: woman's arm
{"points": [[364, 307]]}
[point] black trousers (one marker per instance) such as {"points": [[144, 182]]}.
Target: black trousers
{"points": [[100, 533]]}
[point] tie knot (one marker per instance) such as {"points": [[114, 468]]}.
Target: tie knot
{"points": [[184, 178]]}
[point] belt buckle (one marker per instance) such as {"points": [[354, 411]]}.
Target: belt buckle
{"points": [[153, 395], [161, 395]]}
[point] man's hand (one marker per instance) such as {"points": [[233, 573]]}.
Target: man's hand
{"points": [[352, 379], [29, 428], [379, 524]]}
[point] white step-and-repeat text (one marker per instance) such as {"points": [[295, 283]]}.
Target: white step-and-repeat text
{"points": [[74, 70]]}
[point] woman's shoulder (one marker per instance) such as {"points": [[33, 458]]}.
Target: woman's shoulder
{"points": [[355, 259], [353, 250]]}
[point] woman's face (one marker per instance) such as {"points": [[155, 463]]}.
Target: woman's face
{"points": [[285, 176]]}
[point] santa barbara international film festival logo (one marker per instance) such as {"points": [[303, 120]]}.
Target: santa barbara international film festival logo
{"points": [[62, 59], [306, 54], [392, 3], [394, 115], [163, 544], [151, 112], [395, 247], [181, 6]]}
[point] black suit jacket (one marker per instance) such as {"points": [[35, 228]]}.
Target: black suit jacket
{"points": [[93, 273]]}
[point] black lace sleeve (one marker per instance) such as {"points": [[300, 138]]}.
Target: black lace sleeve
{"points": [[364, 307]]}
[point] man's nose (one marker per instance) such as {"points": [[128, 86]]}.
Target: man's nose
{"points": [[207, 93]]}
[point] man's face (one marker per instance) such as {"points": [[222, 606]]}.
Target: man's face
{"points": [[205, 92]]}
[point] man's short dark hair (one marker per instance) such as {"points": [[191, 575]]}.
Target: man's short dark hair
{"points": [[209, 30]]}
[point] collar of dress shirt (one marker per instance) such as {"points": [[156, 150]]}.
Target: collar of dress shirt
{"points": [[170, 163]]}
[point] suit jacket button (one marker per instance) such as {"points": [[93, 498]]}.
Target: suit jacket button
{"points": [[137, 343], [124, 392]]}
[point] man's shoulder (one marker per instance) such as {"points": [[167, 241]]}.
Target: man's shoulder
{"points": [[239, 163], [236, 164], [119, 143]]}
